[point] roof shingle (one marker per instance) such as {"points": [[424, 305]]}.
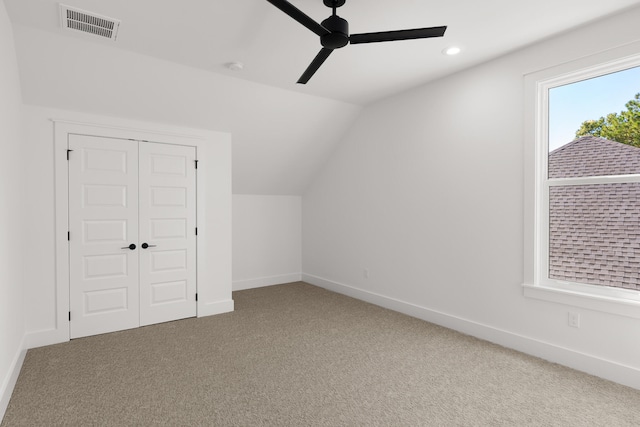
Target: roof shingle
{"points": [[593, 156], [594, 230]]}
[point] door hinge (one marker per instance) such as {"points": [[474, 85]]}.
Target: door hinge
{"points": [[196, 164], [196, 296], [68, 235], [68, 151], [196, 231], [69, 316]]}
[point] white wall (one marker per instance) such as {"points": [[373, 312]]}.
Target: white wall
{"points": [[11, 214], [45, 321], [426, 193], [280, 138], [267, 239]]}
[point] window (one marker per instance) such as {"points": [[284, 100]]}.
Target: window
{"points": [[583, 211]]}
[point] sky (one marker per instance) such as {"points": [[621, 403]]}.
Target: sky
{"points": [[572, 104]]}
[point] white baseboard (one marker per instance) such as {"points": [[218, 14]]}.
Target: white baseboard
{"points": [[11, 379], [593, 365], [56, 336], [46, 337], [216, 307], [259, 282]]}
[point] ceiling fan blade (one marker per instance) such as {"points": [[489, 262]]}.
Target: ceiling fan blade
{"points": [[315, 64], [299, 16], [387, 36]]}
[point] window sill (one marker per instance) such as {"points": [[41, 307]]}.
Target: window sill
{"points": [[591, 301]]}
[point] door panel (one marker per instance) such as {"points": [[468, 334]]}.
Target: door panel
{"points": [[166, 196], [168, 219], [162, 261], [103, 218], [168, 292], [103, 266], [104, 231], [161, 229], [104, 196], [105, 301]]}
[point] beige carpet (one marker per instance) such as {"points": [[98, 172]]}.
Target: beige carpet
{"points": [[297, 355]]}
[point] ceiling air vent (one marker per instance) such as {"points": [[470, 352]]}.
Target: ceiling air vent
{"points": [[88, 22]]}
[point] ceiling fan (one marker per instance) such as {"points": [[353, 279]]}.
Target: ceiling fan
{"points": [[334, 33]]}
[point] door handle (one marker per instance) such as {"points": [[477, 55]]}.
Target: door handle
{"points": [[131, 246], [146, 245]]}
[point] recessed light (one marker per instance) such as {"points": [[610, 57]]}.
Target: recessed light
{"points": [[234, 66], [453, 50]]}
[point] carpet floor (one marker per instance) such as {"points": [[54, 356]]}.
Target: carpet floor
{"points": [[298, 355]]}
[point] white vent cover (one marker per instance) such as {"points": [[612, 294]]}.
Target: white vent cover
{"points": [[88, 22]]}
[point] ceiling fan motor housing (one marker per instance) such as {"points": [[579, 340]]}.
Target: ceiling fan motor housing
{"points": [[339, 32]]}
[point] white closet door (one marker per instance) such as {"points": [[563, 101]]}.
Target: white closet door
{"points": [[167, 224], [103, 222]]}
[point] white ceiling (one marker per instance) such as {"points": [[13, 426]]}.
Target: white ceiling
{"points": [[167, 66], [275, 49]]}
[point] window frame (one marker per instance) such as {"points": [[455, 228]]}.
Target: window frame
{"points": [[537, 284]]}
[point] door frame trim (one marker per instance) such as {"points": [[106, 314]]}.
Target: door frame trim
{"points": [[203, 142]]}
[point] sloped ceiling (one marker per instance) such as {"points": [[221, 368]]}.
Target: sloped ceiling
{"points": [[280, 138], [167, 66]]}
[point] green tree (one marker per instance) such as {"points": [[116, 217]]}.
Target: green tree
{"points": [[622, 127]]}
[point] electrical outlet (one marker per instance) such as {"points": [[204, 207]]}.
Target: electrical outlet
{"points": [[365, 273], [574, 319]]}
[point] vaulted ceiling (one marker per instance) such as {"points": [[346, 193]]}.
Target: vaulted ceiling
{"points": [[167, 65]]}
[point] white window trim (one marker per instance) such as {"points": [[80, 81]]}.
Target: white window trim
{"points": [[536, 283]]}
